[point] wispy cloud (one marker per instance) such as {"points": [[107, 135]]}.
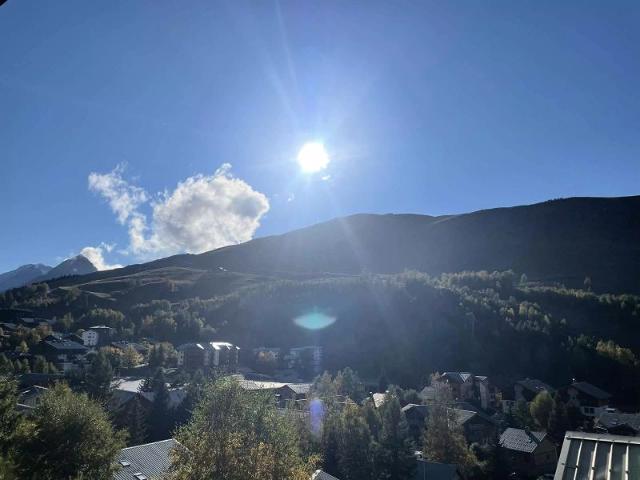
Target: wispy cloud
{"points": [[202, 213]]}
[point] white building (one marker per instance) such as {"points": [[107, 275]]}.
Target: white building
{"points": [[315, 352], [97, 335], [212, 354]]}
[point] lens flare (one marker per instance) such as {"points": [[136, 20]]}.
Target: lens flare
{"points": [[316, 411], [314, 320]]}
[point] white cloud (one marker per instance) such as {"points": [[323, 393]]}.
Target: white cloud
{"points": [[96, 256], [124, 198], [201, 214]]}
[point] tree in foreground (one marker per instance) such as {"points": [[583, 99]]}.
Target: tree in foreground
{"points": [[235, 435], [8, 414], [68, 436]]}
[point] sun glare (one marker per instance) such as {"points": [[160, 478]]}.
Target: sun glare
{"points": [[312, 157]]}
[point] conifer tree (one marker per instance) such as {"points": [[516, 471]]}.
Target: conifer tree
{"points": [[558, 422], [99, 377], [444, 440], [395, 449], [355, 454], [136, 422]]}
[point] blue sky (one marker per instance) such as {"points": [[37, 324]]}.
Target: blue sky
{"points": [[426, 107]]}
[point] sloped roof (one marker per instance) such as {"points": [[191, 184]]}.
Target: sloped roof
{"points": [[535, 385], [62, 344], [299, 388], [378, 399], [456, 377], [611, 420], [591, 390], [320, 475], [152, 460], [463, 416], [260, 385], [590, 455], [520, 440]]}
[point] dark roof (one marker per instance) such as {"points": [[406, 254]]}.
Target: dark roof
{"points": [[613, 420], [437, 471], [63, 344], [299, 388], [586, 455], [151, 460], [415, 409], [462, 416], [521, 440], [30, 379], [456, 377], [591, 390], [535, 385]]}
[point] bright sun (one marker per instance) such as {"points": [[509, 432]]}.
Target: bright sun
{"points": [[312, 157]]}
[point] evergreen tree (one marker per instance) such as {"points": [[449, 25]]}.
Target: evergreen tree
{"points": [[372, 417], [522, 416], [558, 422], [5, 364], [394, 455], [162, 418], [66, 436], [330, 442], [8, 413], [136, 422], [349, 384], [99, 376], [444, 440], [40, 365], [355, 454]]}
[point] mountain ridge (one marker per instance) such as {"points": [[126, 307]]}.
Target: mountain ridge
{"points": [[561, 240], [36, 273]]}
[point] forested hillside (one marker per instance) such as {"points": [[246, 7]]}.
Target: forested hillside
{"points": [[399, 325]]}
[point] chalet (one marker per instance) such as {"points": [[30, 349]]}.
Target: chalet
{"points": [[477, 426], [127, 389], [314, 353], [586, 456], [468, 387], [29, 398], [528, 453], [150, 461], [66, 354], [215, 355], [617, 423], [526, 390], [590, 399]]}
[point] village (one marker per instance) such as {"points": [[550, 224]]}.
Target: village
{"points": [[538, 430]]}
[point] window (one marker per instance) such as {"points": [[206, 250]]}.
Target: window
{"points": [[124, 463]]}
